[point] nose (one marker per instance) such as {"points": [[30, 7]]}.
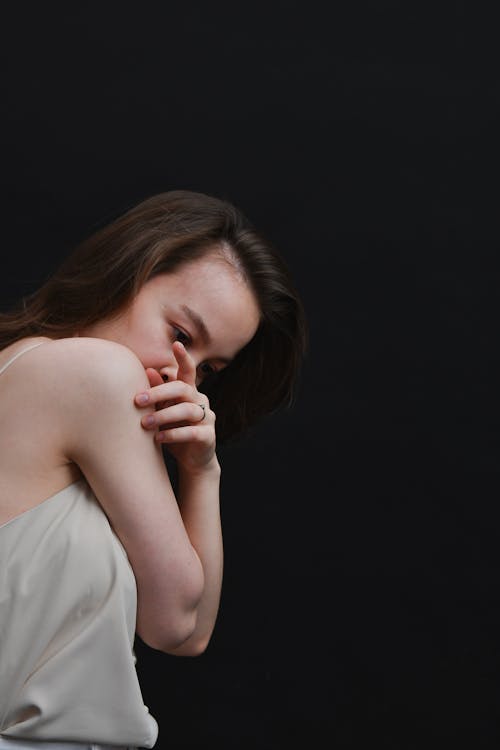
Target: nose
{"points": [[169, 373]]}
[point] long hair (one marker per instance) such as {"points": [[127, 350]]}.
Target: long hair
{"points": [[105, 272]]}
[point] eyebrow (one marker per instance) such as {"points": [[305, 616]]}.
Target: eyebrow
{"points": [[198, 323]]}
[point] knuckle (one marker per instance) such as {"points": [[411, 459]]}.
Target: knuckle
{"points": [[195, 434], [184, 389]]}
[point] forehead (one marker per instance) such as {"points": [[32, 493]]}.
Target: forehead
{"points": [[216, 292], [210, 274]]}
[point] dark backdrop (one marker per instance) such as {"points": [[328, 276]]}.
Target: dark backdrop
{"points": [[361, 595]]}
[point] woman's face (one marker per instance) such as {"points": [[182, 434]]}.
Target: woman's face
{"points": [[205, 304]]}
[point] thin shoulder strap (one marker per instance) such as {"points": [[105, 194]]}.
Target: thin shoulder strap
{"points": [[19, 354]]}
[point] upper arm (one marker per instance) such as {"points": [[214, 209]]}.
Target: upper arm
{"points": [[123, 464]]}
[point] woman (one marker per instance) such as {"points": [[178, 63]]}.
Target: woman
{"points": [[173, 313]]}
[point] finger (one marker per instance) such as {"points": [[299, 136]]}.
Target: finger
{"points": [[174, 390], [188, 434], [154, 377], [180, 414], [186, 370]]}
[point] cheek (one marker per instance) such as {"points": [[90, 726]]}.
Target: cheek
{"points": [[151, 350]]}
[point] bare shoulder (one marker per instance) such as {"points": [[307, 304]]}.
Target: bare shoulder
{"points": [[59, 398], [87, 365], [76, 380], [99, 353], [90, 384]]}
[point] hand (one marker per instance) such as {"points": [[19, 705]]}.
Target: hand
{"points": [[183, 418]]}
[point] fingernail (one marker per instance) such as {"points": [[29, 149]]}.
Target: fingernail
{"points": [[148, 421], [142, 398]]}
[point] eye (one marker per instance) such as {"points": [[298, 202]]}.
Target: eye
{"points": [[179, 335]]}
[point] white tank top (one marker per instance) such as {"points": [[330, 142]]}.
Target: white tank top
{"points": [[67, 624]]}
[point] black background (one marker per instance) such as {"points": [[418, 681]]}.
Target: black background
{"points": [[361, 599]]}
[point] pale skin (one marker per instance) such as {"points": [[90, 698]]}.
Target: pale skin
{"points": [[82, 417]]}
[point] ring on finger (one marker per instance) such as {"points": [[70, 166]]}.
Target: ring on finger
{"points": [[204, 412]]}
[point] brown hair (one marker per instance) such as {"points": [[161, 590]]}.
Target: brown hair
{"points": [[105, 271]]}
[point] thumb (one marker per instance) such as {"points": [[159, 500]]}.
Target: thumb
{"points": [[154, 377]]}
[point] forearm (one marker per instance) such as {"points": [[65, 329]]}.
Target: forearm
{"points": [[198, 498]]}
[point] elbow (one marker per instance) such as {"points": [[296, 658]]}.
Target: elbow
{"points": [[167, 626], [191, 647], [179, 639], [183, 643], [167, 623], [171, 635]]}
